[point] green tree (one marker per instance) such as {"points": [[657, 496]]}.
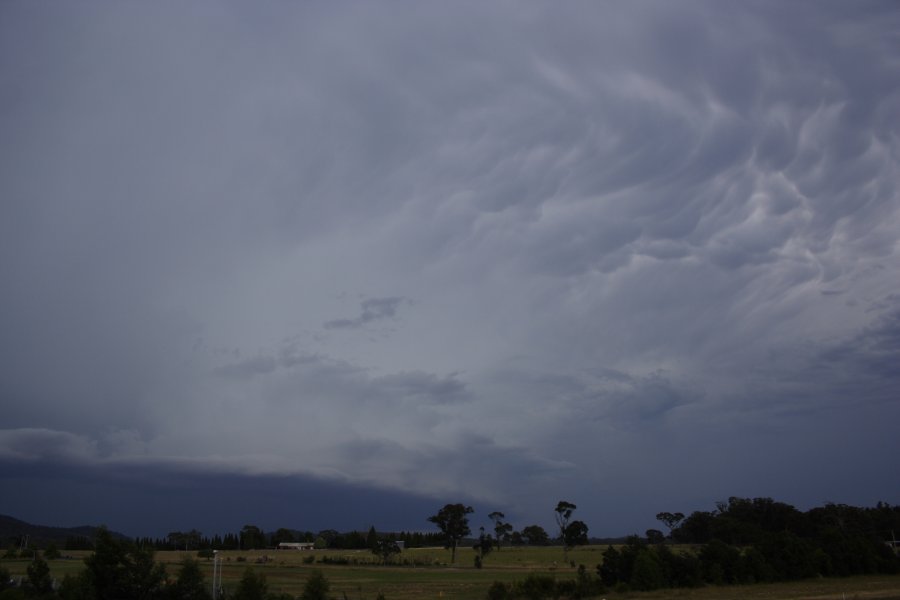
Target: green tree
{"points": [[371, 538], [483, 546], [76, 587], [119, 569], [252, 586], [564, 512], [647, 573], [176, 539], [189, 582], [536, 535], [282, 535], [316, 587], [39, 583], [502, 529], [670, 520], [252, 537], [655, 536], [575, 534], [453, 522], [52, 552], [385, 549]]}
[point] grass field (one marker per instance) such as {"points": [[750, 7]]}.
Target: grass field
{"points": [[427, 574]]}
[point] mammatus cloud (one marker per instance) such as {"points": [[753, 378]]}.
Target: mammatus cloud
{"points": [[639, 242]]}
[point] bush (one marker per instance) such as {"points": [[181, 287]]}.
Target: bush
{"points": [[12, 594], [647, 573], [251, 586], [5, 578], [316, 587], [537, 587], [52, 552], [39, 582], [499, 591]]}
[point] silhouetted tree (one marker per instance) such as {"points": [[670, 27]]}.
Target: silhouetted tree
{"points": [[39, 583], [371, 538], [316, 587], [118, 569], [189, 583], [483, 546], [564, 512], [536, 535], [575, 534], [670, 520], [501, 529], [655, 536], [251, 586], [252, 537], [454, 524], [385, 549], [282, 535]]}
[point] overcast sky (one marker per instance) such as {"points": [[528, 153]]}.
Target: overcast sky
{"points": [[337, 264]]}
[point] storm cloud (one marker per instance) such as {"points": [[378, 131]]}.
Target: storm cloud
{"points": [[641, 257]]}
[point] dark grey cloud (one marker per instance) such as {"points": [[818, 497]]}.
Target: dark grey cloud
{"points": [[639, 242], [152, 499], [371, 309]]}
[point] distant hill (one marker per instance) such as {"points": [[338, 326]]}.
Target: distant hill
{"points": [[12, 530]]}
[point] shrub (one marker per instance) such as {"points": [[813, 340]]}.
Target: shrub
{"points": [[537, 587], [499, 591], [52, 552], [316, 587]]}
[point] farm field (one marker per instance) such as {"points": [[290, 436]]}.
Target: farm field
{"points": [[428, 574]]}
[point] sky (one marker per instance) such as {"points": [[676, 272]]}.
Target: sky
{"points": [[334, 265]]}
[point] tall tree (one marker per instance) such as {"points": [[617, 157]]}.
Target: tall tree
{"points": [[371, 538], [252, 537], [670, 520], [39, 583], [119, 569], [564, 512], [316, 587], [483, 546], [501, 528], [453, 522], [282, 535], [189, 582], [251, 586], [385, 549]]}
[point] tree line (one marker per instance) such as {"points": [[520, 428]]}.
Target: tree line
{"points": [[119, 569], [252, 537], [453, 521], [757, 540], [742, 541]]}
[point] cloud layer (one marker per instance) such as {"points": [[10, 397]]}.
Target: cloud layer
{"points": [[639, 257]]}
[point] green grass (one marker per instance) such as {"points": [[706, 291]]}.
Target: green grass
{"points": [[364, 580]]}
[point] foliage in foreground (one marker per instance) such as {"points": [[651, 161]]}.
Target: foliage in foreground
{"points": [[540, 587]]}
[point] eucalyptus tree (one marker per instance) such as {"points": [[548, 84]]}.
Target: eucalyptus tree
{"points": [[453, 521], [501, 528], [567, 533]]}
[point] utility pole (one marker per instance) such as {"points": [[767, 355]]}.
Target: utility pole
{"points": [[217, 575]]}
